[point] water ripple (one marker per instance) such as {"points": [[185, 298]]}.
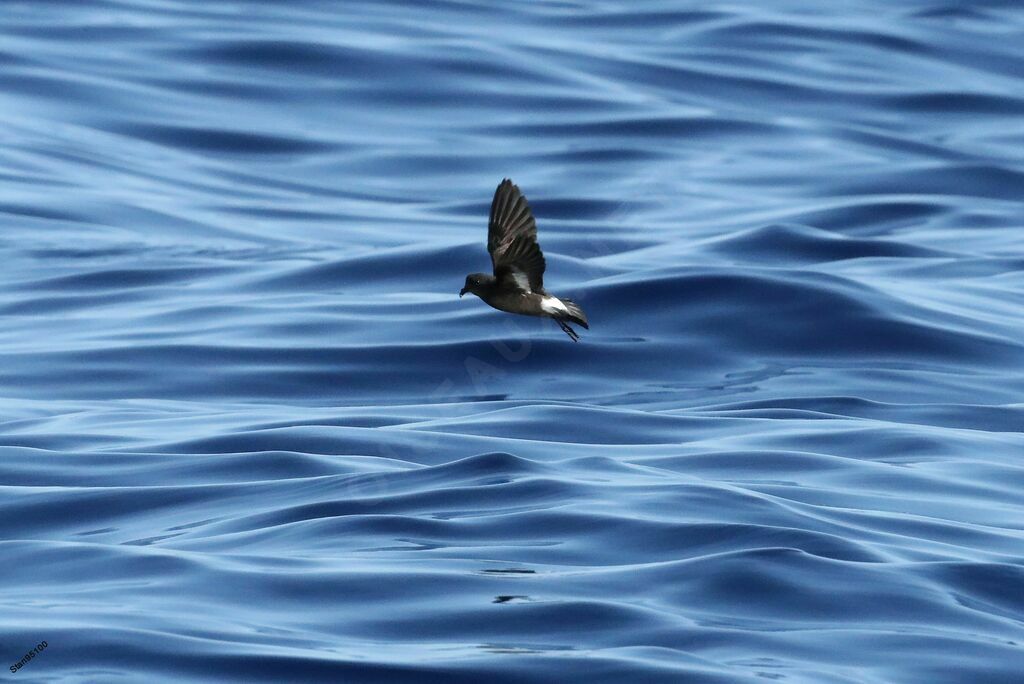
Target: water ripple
{"points": [[249, 431]]}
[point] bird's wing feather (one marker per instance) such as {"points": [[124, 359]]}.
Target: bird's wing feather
{"points": [[521, 266], [512, 239]]}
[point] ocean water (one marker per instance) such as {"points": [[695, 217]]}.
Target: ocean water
{"points": [[249, 432]]}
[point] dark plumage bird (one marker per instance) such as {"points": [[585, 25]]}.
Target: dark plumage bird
{"points": [[517, 285]]}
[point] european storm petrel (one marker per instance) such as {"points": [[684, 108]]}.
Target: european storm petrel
{"points": [[517, 285]]}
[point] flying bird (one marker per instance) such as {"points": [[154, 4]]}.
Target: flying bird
{"points": [[517, 285]]}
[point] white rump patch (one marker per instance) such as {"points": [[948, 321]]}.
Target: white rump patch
{"points": [[553, 305]]}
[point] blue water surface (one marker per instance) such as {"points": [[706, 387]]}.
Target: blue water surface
{"points": [[250, 432]]}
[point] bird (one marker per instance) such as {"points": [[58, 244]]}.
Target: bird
{"points": [[517, 284]]}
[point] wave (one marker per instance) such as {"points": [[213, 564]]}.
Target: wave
{"points": [[249, 430]]}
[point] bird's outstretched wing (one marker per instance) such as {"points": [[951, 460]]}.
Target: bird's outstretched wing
{"points": [[512, 240]]}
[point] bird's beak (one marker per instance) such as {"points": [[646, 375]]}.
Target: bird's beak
{"points": [[462, 292]]}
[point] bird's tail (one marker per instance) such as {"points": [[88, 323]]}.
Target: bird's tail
{"points": [[575, 314]]}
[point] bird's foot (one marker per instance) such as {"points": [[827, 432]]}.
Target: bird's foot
{"points": [[573, 335]]}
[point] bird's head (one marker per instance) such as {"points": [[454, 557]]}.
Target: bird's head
{"points": [[475, 282]]}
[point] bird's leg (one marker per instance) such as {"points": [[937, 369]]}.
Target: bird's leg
{"points": [[568, 331]]}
